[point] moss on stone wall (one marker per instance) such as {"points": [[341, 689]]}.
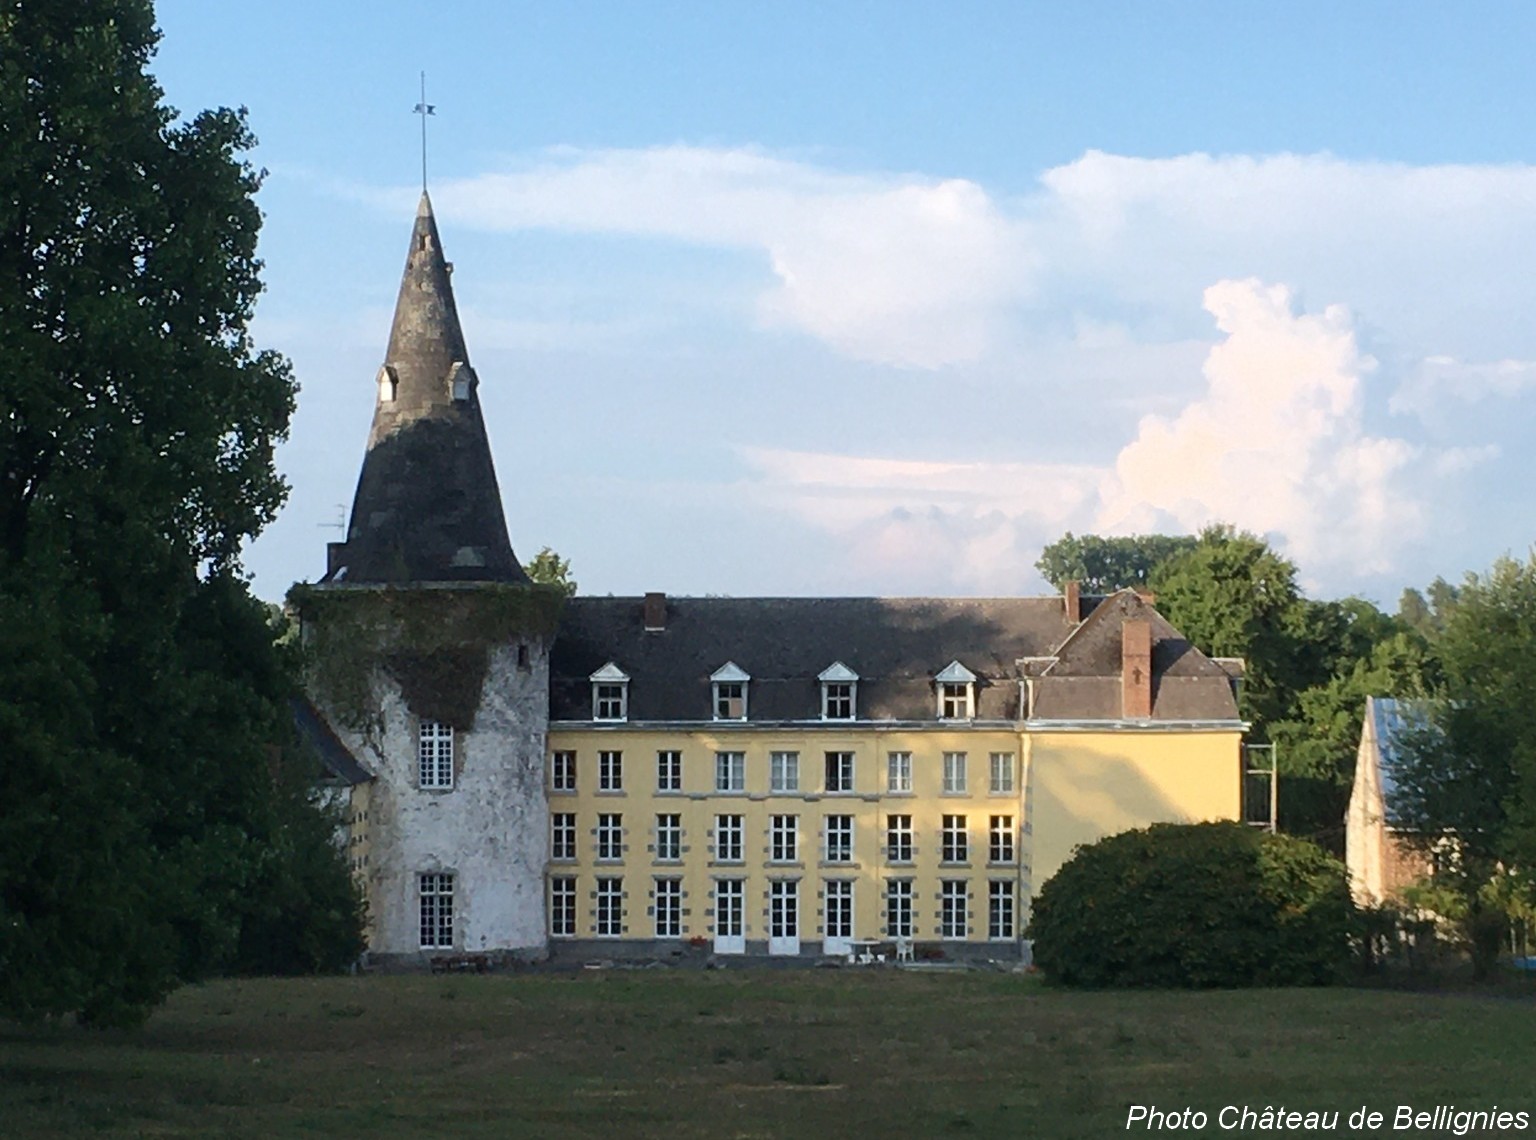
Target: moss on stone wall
{"points": [[435, 642]]}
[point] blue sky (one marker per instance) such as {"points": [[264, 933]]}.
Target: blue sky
{"points": [[862, 298]]}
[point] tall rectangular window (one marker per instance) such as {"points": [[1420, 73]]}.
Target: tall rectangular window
{"points": [[898, 772], [669, 908], [562, 835], [898, 908], [610, 836], [610, 771], [1000, 909], [898, 838], [562, 772], [436, 899], [1002, 774], [955, 700], [784, 772], [562, 906], [729, 844], [669, 771], [669, 837], [954, 773], [837, 700], [434, 754], [839, 771], [955, 845], [730, 771], [610, 908], [1000, 839], [952, 899], [839, 839], [783, 838]]}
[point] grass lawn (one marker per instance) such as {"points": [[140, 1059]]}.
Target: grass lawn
{"points": [[749, 1053]]}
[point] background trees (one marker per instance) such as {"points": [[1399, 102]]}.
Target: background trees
{"points": [[141, 698]]}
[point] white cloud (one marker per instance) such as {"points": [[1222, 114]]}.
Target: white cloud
{"points": [[1441, 380]]}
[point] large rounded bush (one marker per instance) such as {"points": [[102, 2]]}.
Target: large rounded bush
{"points": [[1194, 905]]}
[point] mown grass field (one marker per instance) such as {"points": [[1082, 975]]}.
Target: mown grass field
{"points": [[747, 1053]]}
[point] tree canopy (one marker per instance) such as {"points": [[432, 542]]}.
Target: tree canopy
{"points": [[547, 568], [1102, 565]]}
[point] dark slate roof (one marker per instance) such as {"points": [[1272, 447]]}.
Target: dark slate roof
{"points": [[1396, 722], [895, 645], [427, 508], [340, 765]]}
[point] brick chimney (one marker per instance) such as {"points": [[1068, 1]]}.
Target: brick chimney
{"points": [[655, 612], [1136, 669], [1072, 596]]}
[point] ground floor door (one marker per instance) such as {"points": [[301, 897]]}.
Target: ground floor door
{"points": [[784, 918], [730, 917], [839, 925]]}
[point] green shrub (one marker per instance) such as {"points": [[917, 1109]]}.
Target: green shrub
{"points": [[1194, 906]]}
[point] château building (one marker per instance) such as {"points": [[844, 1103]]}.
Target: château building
{"points": [[636, 775]]}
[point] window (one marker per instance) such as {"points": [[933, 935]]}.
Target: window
{"points": [[898, 772], [730, 771], [562, 835], [839, 839], [669, 771], [783, 838], [610, 836], [610, 771], [436, 911], [898, 908], [669, 837], [669, 908], [562, 906], [837, 701], [839, 771], [562, 772], [610, 908], [1000, 841], [610, 693], [952, 908], [954, 773], [955, 846], [728, 839], [955, 684], [1002, 774], [898, 838], [1000, 909], [434, 755], [784, 772], [729, 690]]}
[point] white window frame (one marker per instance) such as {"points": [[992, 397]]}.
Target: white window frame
{"points": [[956, 690], [783, 839], [610, 907], [839, 692], [562, 771], [562, 906], [955, 839], [610, 693], [1001, 771], [955, 782], [839, 773], [669, 770], [562, 836], [1002, 846], [668, 908], [434, 755], [898, 908], [839, 839], [669, 837], [610, 837], [610, 770], [898, 773], [954, 900], [898, 838], [730, 839], [730, 772], [1002, 910], [783, 772], [435, 909], [728, 692]]}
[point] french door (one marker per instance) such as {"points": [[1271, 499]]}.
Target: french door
{"points": [[784, 917], [839, 913], [730, 917]]}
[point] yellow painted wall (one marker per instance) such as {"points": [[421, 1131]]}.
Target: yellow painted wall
{"points": [[1087, 785]]}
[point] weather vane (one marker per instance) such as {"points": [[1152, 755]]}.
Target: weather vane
{"points": [[424, 109]]}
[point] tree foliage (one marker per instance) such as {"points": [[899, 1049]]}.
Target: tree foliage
{"points": [[547, 568], [141, 697], [1194, 906], [1102, 565]]}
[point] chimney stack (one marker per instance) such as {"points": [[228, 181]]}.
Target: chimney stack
{"points": [[1072, 596], [1136, 669], [655, 612]]}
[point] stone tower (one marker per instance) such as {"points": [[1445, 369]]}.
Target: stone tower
{"points": [[429, 653]]}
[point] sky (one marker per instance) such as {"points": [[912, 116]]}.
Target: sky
{"points": [[881, 298]]}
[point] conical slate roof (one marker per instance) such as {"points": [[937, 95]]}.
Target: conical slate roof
{"points": [[427, 507]]}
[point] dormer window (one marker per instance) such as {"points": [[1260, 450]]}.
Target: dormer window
{"points": [[389, 385], [956, 687], [461, 380], [728, 685], [610, 693], [839, 692]]}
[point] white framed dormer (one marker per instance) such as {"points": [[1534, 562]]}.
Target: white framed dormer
{"points": [[610, 693], [461, 380], [839, 692], [956, 690], [728, 692]]}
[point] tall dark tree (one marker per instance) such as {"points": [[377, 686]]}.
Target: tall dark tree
{"points": [[137, 428], [1101, 565]]}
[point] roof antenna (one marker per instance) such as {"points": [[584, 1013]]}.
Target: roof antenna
{"points": [[424, 109]]}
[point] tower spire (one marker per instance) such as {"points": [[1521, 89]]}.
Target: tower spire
{"points": [[424, 109]]}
